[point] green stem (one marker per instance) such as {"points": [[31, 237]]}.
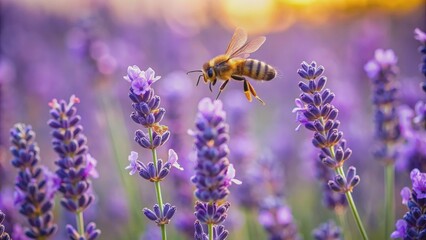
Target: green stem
{"points": [[352, 205], [389, 198], [157, 186], [80, 223], [350, 200], [210, 230], [341, 213]]}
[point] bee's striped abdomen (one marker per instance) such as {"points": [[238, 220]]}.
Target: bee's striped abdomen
{"points": [[257, 70]]}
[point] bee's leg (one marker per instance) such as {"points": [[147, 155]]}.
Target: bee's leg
{"points": [[246, 90], [214, 81], [210, 86], [198, 81], [253, 92], [238, 78], [222, 86]]}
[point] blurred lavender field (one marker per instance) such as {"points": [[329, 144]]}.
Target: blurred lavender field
{"points": [[54, 49]]}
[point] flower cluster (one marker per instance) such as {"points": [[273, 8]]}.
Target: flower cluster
{"points": [[327, 231], [382, 71], [219, 232], [148, 113], [3, 234], [277, 220], [316, 113], [213, 172], [331, 199], [413, 224], [412, 154], [75, 165], [421, 36], [35, 184]]}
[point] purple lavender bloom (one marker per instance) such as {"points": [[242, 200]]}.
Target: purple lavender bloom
{"points": [[412, 153], [277, 220], [211, 137], [148, 113], [419, 183], [413, 224], [3, 234], [35, 187], [213, 172], [316, 113], [421, 36], [382, 71], [327, 231], [219, 232], [76, 166]]}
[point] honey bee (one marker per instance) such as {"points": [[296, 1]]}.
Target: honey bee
{"points": [[235, 64]]}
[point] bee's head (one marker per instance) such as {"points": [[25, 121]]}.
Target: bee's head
{"points": [[208, 73]]}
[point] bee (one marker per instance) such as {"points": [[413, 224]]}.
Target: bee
{"points": [[236, 65]]}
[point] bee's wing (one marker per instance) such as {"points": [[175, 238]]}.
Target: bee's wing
{"points": [[237, 41], [250, 47]]}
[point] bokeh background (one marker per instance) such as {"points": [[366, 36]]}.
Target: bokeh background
{"points": [[53, 49]]}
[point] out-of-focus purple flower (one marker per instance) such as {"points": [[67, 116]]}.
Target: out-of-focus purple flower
{"points": [[421, 36], [133, 165], [3, 234], [75, 165], [384, 60], [418, 180], [384, 99], [405, 195], [412, 153], [401, 229], [277, 220], [32, 194], [327, 231], [420, 118]]}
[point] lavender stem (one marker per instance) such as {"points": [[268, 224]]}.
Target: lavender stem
{"points": [[157, 186], [210, 230], [80, 222], [389, 197]]}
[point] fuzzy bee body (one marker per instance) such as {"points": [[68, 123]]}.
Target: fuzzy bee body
{"points": [[256, 69], [235, 65]]}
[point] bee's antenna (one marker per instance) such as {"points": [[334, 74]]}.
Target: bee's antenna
{"points": [[194, 71], [198, 81]]}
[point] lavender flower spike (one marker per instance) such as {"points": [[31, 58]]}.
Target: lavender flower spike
{"points": [[382, 70], [148, 113], [75, 165], [315, 111], [35, 186], [327, 231], [413, 224], [421, 36], [3, 234], [213, 172]]}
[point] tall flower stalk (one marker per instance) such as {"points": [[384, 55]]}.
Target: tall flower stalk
{"points": [[316, 113], [213, 172], [421, 37], [148, 113], [75, 166], [35, 184], [382, 71]]}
